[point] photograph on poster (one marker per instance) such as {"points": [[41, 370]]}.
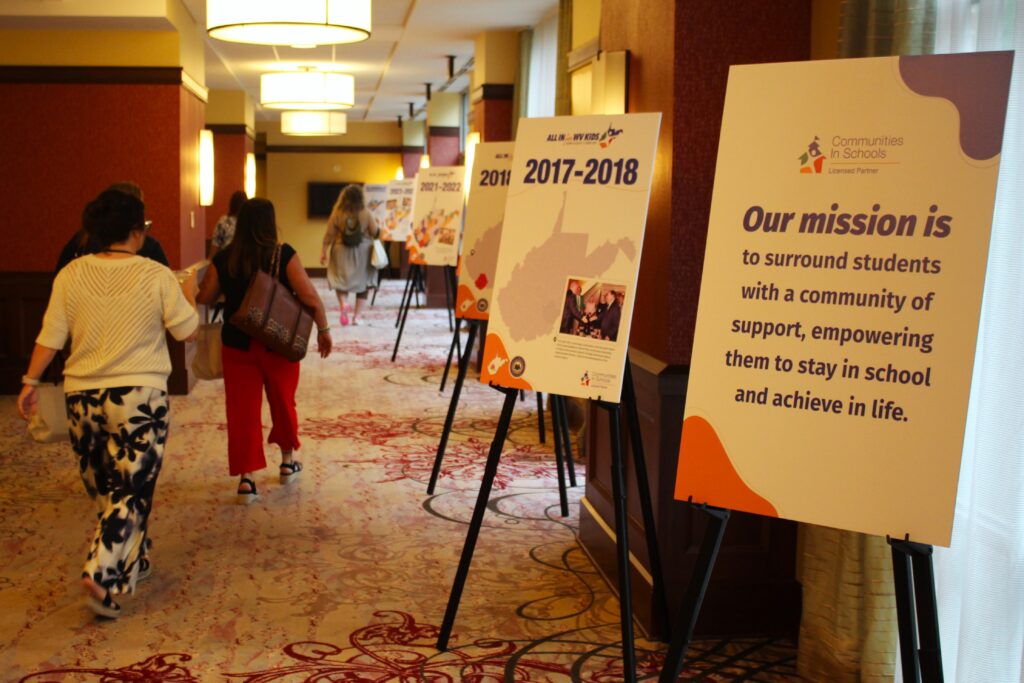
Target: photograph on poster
{"points": [[592, 309]]}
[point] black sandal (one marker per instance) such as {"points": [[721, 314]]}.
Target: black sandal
{"points": [[290, 471], [246, 497], [104, 608]]}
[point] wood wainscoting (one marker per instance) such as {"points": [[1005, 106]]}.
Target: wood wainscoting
{"points": [[753, 589]]}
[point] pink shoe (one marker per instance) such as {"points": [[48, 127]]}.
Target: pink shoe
{"points": [[344, 318]]}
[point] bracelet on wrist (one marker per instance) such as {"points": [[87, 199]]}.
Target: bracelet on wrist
{"points": [[321, 330], [25, 379]]}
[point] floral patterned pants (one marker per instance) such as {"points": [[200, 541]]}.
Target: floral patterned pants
{"points": [[119, 435]]}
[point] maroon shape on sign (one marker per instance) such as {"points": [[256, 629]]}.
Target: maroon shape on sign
{"points": [[481, 281]]}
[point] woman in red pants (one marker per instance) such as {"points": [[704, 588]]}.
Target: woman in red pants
{"points": [[250, 368]]}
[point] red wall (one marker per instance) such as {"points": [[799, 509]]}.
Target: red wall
{"points": [[444, 150], [493, 119], [683, 75], [229, 168], [61, 144], [190, 241]]}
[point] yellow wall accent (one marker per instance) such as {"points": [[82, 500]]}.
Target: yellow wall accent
{"points": [[825, 28], [495, 58], [360, 134], [69, 47], [191, 41], [414, 134], [230, 107], [582, 86], [445, 109], [586, 21], [286, 179]]}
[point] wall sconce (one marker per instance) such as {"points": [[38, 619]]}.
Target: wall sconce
{"points": [[425, 160], [400, 173], [205, 167], [250, 175]]}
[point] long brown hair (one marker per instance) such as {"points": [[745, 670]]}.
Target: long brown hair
{"points": [[350, 201], [255, 238]]}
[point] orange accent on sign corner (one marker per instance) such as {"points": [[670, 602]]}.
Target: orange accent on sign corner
{"points": [[496, 366], [465, 304], [707, 473]]}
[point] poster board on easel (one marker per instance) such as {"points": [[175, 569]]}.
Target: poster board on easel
{"points": [[398, 210], [841, 293], [485, 213], [570, 249], [437, 216]]}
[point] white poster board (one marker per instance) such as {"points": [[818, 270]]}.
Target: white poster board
{"points": [[398, 210], [570, 252], [485, 213], [437, 216], [842, 285], [375, 196]]}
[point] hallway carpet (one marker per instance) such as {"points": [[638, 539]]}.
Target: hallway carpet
{"points": [[343, 576]]}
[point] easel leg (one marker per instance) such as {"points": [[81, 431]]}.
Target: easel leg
{"points": [[449, 304], [448, 363], [563, 425], [406, 293], [644, 490], [419, 287], [540, 417], [404, 315], [917, 612], [460, 377], [490, 470], [622, 543], [686, 620], [563, 497]]}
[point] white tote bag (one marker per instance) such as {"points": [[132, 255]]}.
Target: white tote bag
{"points": [[378, 255], [49, 423]]}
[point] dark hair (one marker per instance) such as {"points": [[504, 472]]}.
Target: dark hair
{"points": [[235, 203], [255, 238], [111, 217], [128, 187]]}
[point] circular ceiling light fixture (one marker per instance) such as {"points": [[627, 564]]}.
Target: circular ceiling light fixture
{"points": [[312, 90], [309, 123], [295, 22]]}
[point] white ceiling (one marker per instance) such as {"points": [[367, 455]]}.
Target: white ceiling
{"points": [[407, 48]]}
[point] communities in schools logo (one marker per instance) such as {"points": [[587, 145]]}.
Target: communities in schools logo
{"points": [[585, 379], [813, 160], [603, 138]]}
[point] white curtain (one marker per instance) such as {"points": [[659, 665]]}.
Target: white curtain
{"points": [[540, 96], [980, 578]]}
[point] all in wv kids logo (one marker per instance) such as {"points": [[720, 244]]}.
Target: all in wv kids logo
{"points": [[603, 139], [813, 159], [609, 136]]}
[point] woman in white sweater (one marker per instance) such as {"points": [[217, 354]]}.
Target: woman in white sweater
{"points": [[115, 307]]}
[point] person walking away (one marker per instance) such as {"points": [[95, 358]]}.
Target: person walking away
{"points": [[351, 230], [250, 368], [115, 306]]}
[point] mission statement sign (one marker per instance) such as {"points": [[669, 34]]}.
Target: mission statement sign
{"points": [[842, 287]]}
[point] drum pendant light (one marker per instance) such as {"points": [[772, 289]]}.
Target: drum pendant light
{"points": [[309, 123], [311, 90], [291, 22]]}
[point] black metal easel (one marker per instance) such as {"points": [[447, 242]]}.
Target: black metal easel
{"points": [[686, 617], [451, 287], [563, 440], [413, 286], [917, 611], [621, 522], [460, 378]]}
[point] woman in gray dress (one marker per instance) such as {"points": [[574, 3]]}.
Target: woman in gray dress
{"points": [[351, 230]]}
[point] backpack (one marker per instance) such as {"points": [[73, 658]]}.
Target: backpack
{"points": [[352, 235]]}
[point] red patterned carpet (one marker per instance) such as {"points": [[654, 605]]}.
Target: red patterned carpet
{"points": [[344, 576]]}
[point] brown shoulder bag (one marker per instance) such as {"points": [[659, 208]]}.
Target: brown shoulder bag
{"points": [[273, 315]]}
